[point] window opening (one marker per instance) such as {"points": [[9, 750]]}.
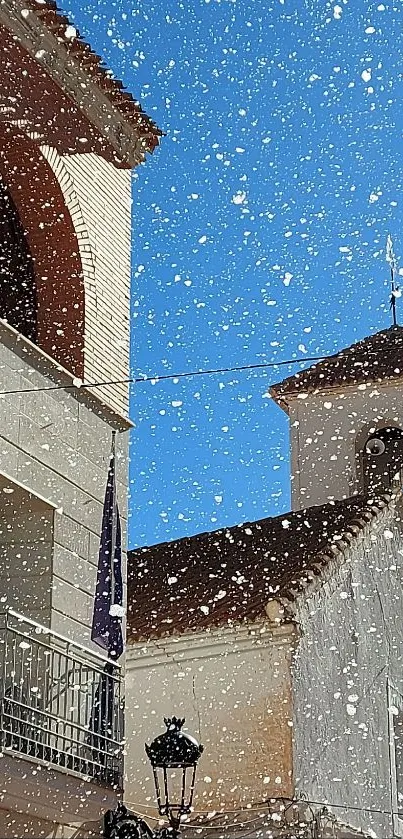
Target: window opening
{"points": [[18, 304], [383, 460]]}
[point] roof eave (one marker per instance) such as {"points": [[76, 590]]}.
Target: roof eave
{"points": [[131, 139], [280, 399], [284, 400], [326, 563]]}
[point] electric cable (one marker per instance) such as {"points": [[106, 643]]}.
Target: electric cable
{"points": [[78, 384], [262, 804]]}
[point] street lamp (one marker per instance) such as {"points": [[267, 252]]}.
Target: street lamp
{"points": [[173, 756]]}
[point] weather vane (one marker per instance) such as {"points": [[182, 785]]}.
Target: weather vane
{"points": [[395, 290]]}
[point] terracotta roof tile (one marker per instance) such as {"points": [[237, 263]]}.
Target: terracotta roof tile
{"points": [[228, 576], [376, 358], [93, 64]]}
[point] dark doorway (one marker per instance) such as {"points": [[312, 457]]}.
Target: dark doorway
{"points": [[18, 304], [383, 460]]}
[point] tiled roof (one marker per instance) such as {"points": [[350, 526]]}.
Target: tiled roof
{"points": [[377, 358], [80, 51], [228, 576]]}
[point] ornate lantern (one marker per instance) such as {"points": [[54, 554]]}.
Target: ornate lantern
{"points": [[173, 757]]}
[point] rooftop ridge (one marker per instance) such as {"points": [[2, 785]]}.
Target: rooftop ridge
{"points": [[80, 51], [215, 579], [375, 358]]}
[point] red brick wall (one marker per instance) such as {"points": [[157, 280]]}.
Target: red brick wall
{"points": [[53, 245]]}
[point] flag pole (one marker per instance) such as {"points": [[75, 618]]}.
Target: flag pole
{"points": [[114, 517], [393, 298]]}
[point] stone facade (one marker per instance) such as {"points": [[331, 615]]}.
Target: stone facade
{"points": [[57, 447], [68, 143]]}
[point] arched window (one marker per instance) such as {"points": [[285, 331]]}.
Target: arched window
{"points": [[18, 304], [382, 460]]}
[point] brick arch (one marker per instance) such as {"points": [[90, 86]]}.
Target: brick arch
{"points": [[52, 241], [73, 205]]}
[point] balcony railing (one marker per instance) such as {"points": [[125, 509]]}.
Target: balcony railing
{"points": [[59, 703]]}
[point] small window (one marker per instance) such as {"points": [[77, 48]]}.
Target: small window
{"points": [[395, 700], [382, 460]]}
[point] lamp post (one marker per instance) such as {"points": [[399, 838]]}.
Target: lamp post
{"points": [[173, 756]]}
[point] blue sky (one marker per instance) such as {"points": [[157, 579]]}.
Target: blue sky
{"points": [[259, 228]]}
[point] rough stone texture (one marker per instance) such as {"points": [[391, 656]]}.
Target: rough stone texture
{"points": [[233, 687], [350, 647]]}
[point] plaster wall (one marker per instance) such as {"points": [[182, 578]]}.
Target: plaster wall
{"points": [[233, 688], [324, 428], [15, 825], [351, 645]]}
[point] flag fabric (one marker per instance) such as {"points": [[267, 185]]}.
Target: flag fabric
{"points": [[107, 627], [390, 255], [108, 603]]}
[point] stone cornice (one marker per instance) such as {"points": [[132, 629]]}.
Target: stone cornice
{"points": [[217, 642], [59, 376]]}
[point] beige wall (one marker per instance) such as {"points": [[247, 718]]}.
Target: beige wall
{"points": [[324, 428], [233, 688]]}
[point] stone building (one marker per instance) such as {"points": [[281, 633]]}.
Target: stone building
{"points": [[69, 137], [281, 640]]}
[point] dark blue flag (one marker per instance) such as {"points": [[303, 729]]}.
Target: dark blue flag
{"points": [[108, 603], [107, 632]]}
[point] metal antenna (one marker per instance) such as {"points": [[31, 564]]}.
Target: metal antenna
{"points": [[395, 291]]}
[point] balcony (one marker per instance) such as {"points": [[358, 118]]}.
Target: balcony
{"points": [[61, 709]]}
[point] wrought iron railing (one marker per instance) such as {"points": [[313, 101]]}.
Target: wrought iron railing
{"points": [[60, 703]]}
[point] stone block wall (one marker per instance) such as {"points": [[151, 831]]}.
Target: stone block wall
{"points": [[348, 654], [55, 446]]}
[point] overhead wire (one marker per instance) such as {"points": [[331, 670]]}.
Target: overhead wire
{"points": [[155, 378], [260, 805], [78, 384]]}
